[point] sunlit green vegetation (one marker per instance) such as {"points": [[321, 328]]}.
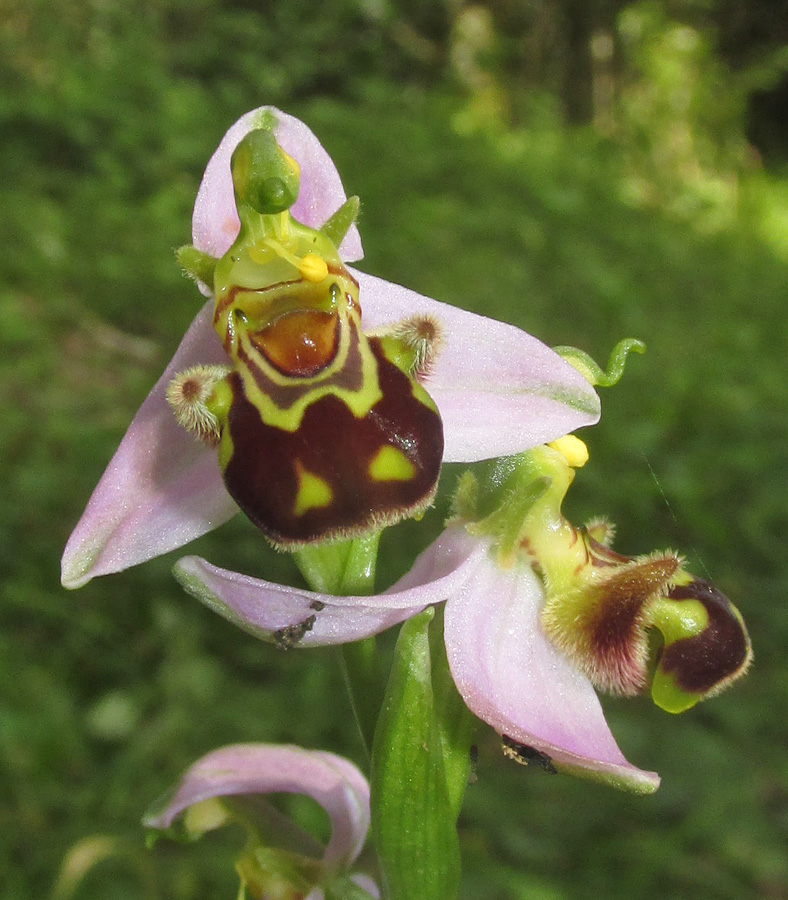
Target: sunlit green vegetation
{"points": [[583, 211]]}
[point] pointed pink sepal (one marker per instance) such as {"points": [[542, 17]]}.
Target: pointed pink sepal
{"points": [[294, 617], [161, 489], [335, 783], [512, 677], [215, 222], [499, 390]]}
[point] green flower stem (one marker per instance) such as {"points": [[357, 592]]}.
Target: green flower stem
{"points": [[342, 567], [348, 568]]}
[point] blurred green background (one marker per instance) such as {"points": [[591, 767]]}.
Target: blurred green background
{"points": [[586, 170]]}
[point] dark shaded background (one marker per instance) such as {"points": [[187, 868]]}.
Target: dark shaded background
{"points": [[587, 170]]}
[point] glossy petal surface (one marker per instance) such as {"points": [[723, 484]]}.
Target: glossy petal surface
{"points": [[215, 221], [266, 609], [513, 678], [161, 489], [498, 389], [336, 784]]}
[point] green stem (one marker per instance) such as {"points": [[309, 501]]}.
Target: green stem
{"points": [[343, 568], [364, 681], [347, 568]]}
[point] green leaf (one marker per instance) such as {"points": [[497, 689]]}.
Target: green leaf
{"points": [[455, 722], [413, 819]]}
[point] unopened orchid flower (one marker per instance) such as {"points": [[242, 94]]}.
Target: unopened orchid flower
{"points": [[318, 399], [538, 614], [279, 860]]}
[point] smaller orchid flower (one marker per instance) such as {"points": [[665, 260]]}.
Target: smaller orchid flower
{"points": [[318, 420], [538, 615], [279, 860]]}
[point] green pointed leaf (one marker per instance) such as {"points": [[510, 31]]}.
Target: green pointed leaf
{"points": [[413, 819]]}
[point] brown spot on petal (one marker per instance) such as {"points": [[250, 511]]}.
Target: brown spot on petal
{"points": [[709, 660], [287, 638]]}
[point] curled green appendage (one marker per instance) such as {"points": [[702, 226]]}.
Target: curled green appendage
{"points": [[196, 264], [265, 178], [592, 372], [337, 226]]}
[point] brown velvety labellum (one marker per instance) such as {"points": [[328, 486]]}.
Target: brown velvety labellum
{"points": [[625, 594], [299, 344], [701, 662], [333, 445]]}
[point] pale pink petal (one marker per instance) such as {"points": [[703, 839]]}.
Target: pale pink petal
{"points": [[366, 884], [363, 881], [498, 389], [335, 783], [215, 221], [266, 609], [161, 489], [512, 677]]}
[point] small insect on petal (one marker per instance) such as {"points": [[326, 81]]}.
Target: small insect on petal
{"points": [[524, 755]]}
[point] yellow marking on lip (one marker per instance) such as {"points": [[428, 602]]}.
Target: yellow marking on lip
{"points": [[313, 491], [390, 464]]}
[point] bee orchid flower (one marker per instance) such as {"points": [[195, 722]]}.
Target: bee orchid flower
{"points": [[539, 615], [319, 399], [279, 859]]}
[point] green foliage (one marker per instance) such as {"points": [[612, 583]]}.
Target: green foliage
{"points": [[413, 816], [109, 113]]}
